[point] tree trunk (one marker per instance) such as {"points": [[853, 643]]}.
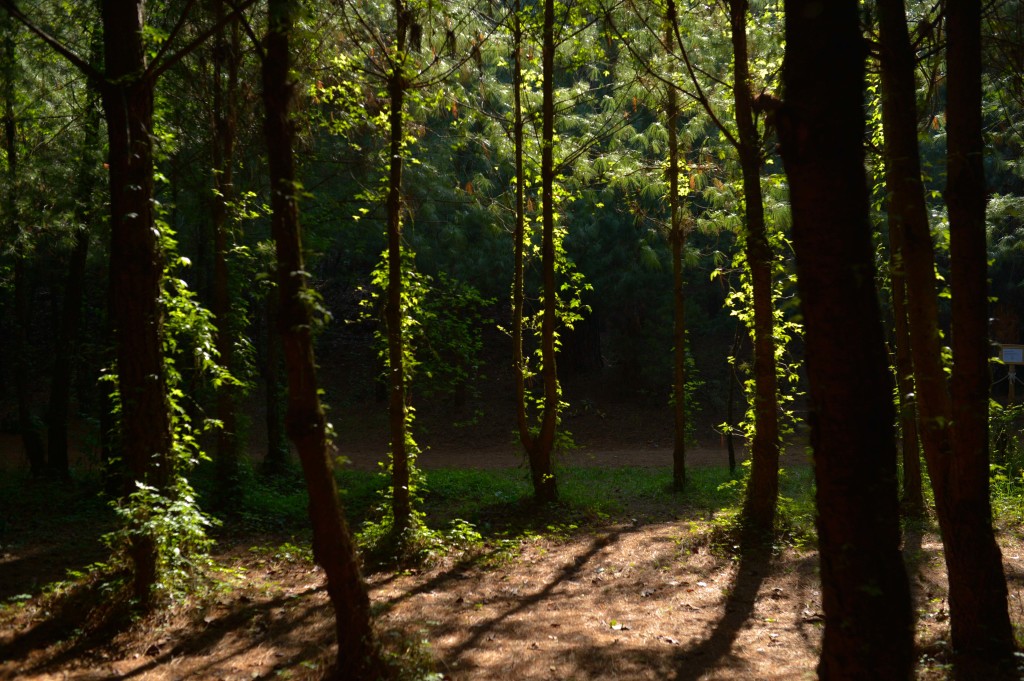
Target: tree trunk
{"points": [[677, 240], [519, 236], [31, 439], [912, 496], [136, 267], [979, 618], [332, 542], [225, 79], [74, 287], [865, 593], [897, 66], [276, 459], [763, 488], [401, 502]]}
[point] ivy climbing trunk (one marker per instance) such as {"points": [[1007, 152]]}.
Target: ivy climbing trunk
{"points": [[979, 616], [225, 81], [333, 547], [677, 241], [401, 503], [865, 591], [541, 469], [763, 487], [136, 268]]}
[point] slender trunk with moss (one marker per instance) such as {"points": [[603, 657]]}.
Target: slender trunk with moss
{"points": [[333, 546]]}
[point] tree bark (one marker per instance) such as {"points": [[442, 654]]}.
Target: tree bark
{"points": [[225, 80], [276, 459], [542, 471], [59, 410], [979, 616], [763, 488], [865, 592], [31, 438], [677, 241], [905, 204], [401, 502], [136, 267], [333, 547], [519, 235]]}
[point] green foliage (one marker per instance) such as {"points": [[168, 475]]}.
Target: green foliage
{"points": [[1006, 447], [173, 520], [442, 321]]}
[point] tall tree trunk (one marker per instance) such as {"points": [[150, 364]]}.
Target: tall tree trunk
{"points": [[979, 618], [677, 241], [59, 410], [276, 459], [763, 488], [865, 593], [225, 80], [953, 425], [333, 547], [136, 267], [541, 470], [401, 503], [31, 439], [912, 495], [897, 66], [519, 236]]}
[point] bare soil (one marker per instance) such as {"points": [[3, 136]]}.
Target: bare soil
{"points": [[626, 600]]}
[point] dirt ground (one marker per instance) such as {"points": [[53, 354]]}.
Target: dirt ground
{"points": [[627, 601]]}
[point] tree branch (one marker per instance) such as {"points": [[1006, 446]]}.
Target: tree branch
{"points": [[60, 48]]}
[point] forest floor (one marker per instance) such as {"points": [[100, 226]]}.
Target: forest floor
{"points": [[650, 591]]}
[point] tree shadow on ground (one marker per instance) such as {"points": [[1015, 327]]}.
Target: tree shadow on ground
{"points": [[481, 630], [751, 571]]}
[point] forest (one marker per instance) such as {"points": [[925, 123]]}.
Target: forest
{"points": [[496, 339]]}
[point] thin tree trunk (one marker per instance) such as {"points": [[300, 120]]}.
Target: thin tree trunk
{"points": [[277, 445], [401, 503], [541, 469], [332, 542], [31, 439], [763, 488], [74, 287], [912, 496], [225, 79], [136, 267], [677, 240], [519, 236], [865, 592], [897, 66], [979, 617]]}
